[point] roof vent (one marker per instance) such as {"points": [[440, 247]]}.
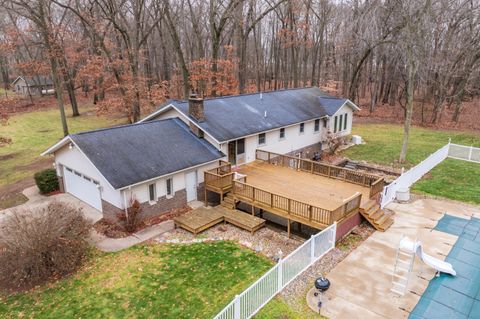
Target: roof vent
{"points": [[265, 113], [196, 108], [261, 96]]}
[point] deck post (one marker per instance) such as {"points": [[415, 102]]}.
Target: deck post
{"points": [[205, 199], [253, 210], [288, 227]]}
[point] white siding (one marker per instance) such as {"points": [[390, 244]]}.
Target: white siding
{"points": [[342, 111], [292, 141], [75, 159], [141, 191]]}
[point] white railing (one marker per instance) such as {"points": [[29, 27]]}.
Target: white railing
{"points": [[250, 301], [466, 153], [407, 179]]}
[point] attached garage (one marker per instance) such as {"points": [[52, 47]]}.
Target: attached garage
{"points": [[82, 187]]}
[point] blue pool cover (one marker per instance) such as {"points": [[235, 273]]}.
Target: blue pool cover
{"points": [[455, 297]]}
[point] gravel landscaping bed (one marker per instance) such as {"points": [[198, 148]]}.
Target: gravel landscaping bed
{"points": [[266, 241]]}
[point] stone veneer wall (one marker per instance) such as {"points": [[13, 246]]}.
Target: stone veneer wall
{"points": [[162, 206]]}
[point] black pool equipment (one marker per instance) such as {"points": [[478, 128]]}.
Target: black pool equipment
{"points": [[322, 284]]}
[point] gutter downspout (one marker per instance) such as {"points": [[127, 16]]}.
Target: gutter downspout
{"points": [[125, 202]]}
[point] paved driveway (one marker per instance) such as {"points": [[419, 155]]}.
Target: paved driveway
{"points": [[35, 200]]}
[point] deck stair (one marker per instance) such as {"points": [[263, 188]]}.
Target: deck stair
{"points": [[228, 201], [377, 217], [402, 270]]}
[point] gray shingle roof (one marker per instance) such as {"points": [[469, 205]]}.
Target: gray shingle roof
{"points": [[130, 154], [231, 117]]}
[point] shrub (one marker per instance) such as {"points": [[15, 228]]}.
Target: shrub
{"points": [[131, 221], [47, 181], [41, 244]]}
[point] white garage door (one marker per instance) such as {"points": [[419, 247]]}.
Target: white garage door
{"points": [[82, 187]]}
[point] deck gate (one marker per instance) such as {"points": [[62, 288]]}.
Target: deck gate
{"points": [[250, 301]]}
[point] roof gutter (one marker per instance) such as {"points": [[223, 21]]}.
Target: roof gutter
{"points": [[274, 129], [168, 174]]}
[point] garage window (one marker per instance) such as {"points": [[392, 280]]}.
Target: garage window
{"points": [[152, 191]]}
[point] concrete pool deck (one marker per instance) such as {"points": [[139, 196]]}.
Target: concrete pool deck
{"points": [[361, 283]]}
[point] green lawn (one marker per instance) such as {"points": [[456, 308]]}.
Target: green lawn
{"points": [[277, 308], [149, 281], [34, 132], [452, 179]]}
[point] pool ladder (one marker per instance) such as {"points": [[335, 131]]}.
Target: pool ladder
{"points": [[401, 271]]}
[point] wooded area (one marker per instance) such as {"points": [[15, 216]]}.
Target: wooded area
{"points": [[131, 55]]}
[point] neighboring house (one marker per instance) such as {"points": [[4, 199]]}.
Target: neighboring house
{"points": [[160, 160], [37, 85]]}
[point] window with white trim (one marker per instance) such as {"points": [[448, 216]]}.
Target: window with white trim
{"points": [[262, 139], [282, 133], [316, 127], [169, 183], [152, 192], [302, 128]]}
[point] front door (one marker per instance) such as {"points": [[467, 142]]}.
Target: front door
{"points": [[191, 186]]}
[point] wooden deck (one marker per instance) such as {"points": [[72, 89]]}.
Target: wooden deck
{"points": [[203, 218], [199, 220], [313, 189]]}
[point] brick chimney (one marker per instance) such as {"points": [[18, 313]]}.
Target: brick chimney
{"points": [[196, 108]]}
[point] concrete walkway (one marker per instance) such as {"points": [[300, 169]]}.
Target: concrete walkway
{"points": [[107, 244], [361, 283]]}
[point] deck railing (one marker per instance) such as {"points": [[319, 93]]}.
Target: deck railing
{"points": [[375, 183], [291, 208], [220, 178]]}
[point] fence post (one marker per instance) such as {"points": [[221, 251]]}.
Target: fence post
{"points": [[312, 249], [236, 308], [280, 274]]}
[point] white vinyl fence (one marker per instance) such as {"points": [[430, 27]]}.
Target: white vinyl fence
{"points": [[407, 179], [466, 153], [250, 301]]}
